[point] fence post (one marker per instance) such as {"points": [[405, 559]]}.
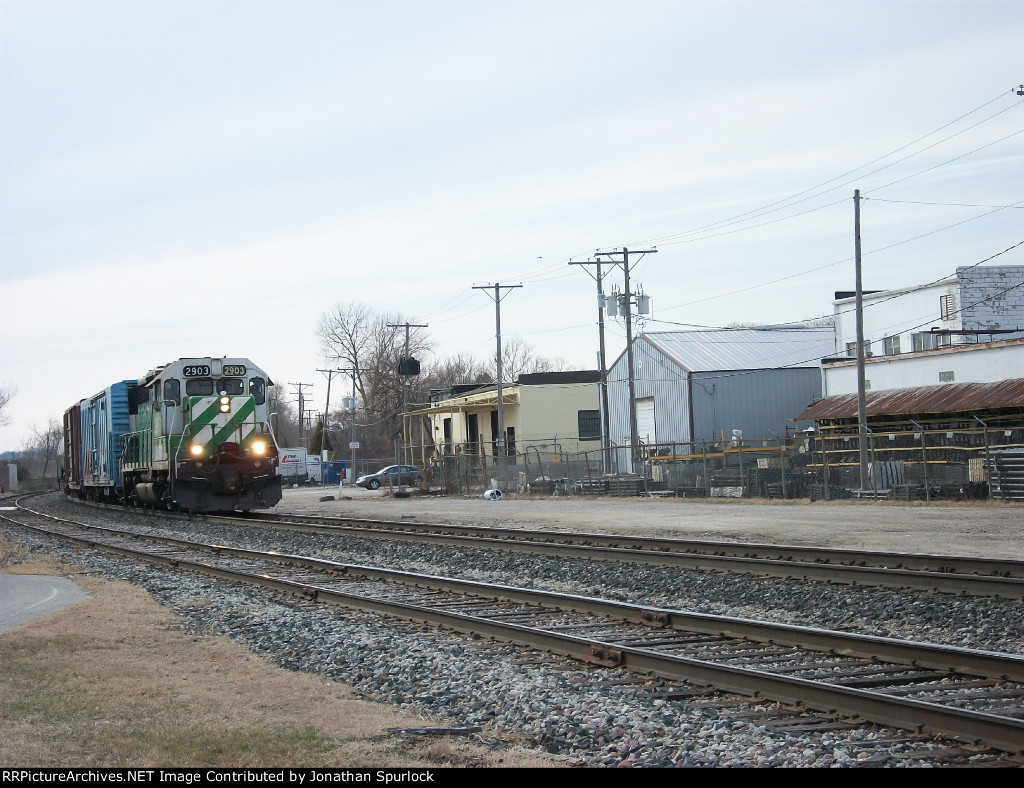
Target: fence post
{"points": [[782, 467], [704, 461], [824, 467], [924, 460], [739, 448], [988, 477]]}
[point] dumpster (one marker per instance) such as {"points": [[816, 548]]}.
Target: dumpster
{"points": [[333, 471]]}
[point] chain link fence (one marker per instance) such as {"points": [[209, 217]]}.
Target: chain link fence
{"points": [[980, 462]]}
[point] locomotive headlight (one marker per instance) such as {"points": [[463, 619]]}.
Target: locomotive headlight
{"points": [[225, 404], [197, 449], [259, 448]]}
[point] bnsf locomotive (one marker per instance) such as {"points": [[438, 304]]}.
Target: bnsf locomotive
{"points": [[192, 435]]}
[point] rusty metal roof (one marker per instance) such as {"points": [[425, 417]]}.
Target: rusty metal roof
{"points": [[944, 398]]}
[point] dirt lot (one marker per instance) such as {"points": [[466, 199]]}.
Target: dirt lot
{"points": [[978, 528]]}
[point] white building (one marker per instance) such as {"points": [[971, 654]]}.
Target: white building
{"points": [[963, 329], [547, 412], [988, 362]]}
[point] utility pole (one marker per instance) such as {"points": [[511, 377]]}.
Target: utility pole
{"points": [[405, 377], [606, 459], [627, 314], [862, 408], [302, 410], [352, 441], [323, 426], [499, 447]]}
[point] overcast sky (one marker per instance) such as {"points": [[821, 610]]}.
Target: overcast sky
{"points": [[209, 178]]}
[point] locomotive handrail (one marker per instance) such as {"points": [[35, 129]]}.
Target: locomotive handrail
{"points": [[273, 437], [184, 428]]}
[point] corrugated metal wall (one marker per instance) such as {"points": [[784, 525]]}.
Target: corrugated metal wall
{"points": [[758, 402]]}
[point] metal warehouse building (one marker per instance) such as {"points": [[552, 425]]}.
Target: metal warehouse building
{"points": [[701, 386]]}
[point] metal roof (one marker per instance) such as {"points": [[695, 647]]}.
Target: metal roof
{"points": [[745, 348], [944, 398], [565, 378]]}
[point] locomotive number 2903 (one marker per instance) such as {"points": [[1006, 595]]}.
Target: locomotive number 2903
{"points": [[203, 370]]}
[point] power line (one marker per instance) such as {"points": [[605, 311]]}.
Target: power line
{"points": [[787, 202]]}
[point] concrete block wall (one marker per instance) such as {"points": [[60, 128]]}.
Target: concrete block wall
{"points": [[992, 297]]}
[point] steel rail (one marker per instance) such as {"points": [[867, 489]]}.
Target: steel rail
{"points": [[929, 562], [915, 715], [934, 573]]}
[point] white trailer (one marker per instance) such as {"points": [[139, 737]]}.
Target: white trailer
{"points": [[313, 469], [292, 466]]}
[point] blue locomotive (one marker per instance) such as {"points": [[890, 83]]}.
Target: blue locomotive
{"points": [[193, 435]]}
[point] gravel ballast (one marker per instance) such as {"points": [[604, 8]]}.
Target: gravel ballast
{"points": [[583, 715]]}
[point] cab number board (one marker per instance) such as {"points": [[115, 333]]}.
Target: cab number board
{"points": [[234, 370], [196, 371]]}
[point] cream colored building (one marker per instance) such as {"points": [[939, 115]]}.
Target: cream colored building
{"points": [[546, 414]]}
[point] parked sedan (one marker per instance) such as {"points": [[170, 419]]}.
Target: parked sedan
{"points": [[392, 475]]}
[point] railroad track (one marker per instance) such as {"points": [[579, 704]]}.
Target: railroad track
{"points": [[972, 696], [938, 573], [960, 575]]}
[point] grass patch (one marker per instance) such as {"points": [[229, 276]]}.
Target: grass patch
{"points": [[115, 682]]}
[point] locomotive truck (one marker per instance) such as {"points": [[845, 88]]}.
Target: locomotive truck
{"points": [[193, 435]]}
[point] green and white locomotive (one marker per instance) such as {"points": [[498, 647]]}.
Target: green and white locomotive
{"points": [[193, 435]]}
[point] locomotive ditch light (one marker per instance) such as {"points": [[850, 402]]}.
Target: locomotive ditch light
{"points": [[197, 449], [259, 448]]}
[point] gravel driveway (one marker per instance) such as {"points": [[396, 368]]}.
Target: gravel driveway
{"points": [[979, 528]]}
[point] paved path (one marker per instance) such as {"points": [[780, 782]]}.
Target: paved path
{"points": [[27, 597]]}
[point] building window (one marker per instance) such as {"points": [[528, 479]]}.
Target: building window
{"points": [[947, 308], [589, 422], [851, 349], [867, 384], [929, 340], [946, 377], [925, 340], [892, 345]]}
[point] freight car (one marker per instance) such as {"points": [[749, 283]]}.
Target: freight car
{"points": [[193, 435]]}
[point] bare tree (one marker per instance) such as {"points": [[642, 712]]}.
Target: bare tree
{"points": [[457, 370], [284, 420], [371, 345], [518, 358], [44, 445], [7, 392]]}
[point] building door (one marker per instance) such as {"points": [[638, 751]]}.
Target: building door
{"points": [[473, 432], [645, 431]]}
